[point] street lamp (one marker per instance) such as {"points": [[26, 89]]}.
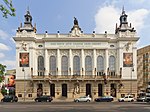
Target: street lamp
{"points": [[132, 70], [24, 84]]}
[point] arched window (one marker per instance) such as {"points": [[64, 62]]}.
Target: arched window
{"points": [[100, 65], [112, 65], [52, 65], [88, 65], [76, 65], [41, 68], [64, 65]]}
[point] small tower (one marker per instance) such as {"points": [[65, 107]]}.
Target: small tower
{"points": [[28, 27], [123, 27], [123, 18], [28, 19]]}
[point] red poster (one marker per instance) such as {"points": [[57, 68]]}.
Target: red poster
{"points": [[24, 59], [127, 59]]}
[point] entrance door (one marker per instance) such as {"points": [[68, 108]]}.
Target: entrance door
{"points": [[88, 89], [100, 90], [52, 90], [64, 90], [113, 90], [39, 90]]}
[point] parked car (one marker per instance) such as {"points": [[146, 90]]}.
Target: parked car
{"points": [[83, 99], [128, 98], [141, 99], [44, 98], [104, 99], [9, 98]]}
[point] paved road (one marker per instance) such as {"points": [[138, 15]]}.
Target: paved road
{"points": [[74, 107]]}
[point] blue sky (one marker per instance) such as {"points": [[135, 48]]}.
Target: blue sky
{"points": [[57, 15]]}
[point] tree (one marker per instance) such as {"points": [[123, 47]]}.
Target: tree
{"points": [[7, 9], [2, 72]]}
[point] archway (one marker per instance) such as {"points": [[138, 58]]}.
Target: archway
{"points": [[39, 90], [88, 89], [100, 90], [64, 90], [52, 90], [113, 90]]}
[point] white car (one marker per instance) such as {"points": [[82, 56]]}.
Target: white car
{"points": [[83, 99], [127, 98]]}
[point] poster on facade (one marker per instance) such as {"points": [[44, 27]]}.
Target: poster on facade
{"points": [[127, 59], [24, 59]]}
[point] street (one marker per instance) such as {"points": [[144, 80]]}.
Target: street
{"points": [[75, 107]]}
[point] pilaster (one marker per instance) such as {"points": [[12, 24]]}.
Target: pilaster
{"points": [[58, 62], [82, 62]]}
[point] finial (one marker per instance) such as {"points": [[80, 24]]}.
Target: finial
{"points": [[130, 25], [123, 11], [28, 12], [28, 8], [34, 25], [116, 26], [20, 25]]}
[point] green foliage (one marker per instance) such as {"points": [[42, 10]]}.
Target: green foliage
{"points": [[8, 9], [3, 91], [2, 72]]}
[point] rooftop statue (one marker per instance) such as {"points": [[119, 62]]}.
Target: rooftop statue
{"points": [[75, 21]]}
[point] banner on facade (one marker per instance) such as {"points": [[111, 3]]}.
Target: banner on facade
{"points": [[24, 59], [127, 59]]}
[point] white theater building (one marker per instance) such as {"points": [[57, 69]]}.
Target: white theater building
{"points": [[75, 64]]}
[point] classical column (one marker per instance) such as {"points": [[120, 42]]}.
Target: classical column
{"points": [[58, 62], [82, 63], [106, 61], [46, 60], [94, 62], [70, 62]]}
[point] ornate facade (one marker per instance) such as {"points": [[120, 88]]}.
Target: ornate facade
{"points": [[67, 66]]}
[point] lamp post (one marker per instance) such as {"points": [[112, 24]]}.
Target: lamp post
{"points": [[24, 84], [132, 70]]}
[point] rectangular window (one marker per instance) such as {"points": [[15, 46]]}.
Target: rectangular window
{"points": [[29, 95], [122, 95], [19, 95]]}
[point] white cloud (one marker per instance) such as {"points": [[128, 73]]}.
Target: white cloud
{"points": [[4, 47], [138, 1], [137, 18], [108, 16], [2, 55], [3, 34], [9, 64]]}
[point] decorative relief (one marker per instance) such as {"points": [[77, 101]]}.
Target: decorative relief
{"points": [[112, 52], [52, 52], [76, 33], [24, 46], [24, 32], [88, 52], [76, 52], [40, 52], [100, 52], [64, 52]]}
